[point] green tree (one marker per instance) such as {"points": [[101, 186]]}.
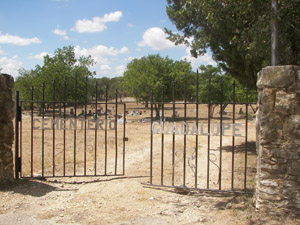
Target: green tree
{"points": [[112, 84], [62, 66], [25, 82], [148, 74], [214, 93], [237, 32]]}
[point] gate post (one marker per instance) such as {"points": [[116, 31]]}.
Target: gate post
{"points": [[17, 120], [278, 140], [6, 128]]}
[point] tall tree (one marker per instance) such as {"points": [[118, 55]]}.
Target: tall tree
{"points": [[213, 92], [237, 32], [62, 66], [148, 74], [111, 84]]}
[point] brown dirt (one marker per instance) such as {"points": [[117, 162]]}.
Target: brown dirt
{"points": [[124, 199]]}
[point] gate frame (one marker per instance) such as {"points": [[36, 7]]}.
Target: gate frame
{"points": [[18, 131], [197, 103]]}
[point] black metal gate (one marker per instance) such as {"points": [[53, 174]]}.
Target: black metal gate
{"points": [[60, 138], [192, 148]]}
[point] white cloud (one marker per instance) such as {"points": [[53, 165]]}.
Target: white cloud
{"points": [[100, 52], [16, 40], [112, 17], [130, 58], [62, 33], [104, 57], [10, 65], [119, 70], [1, 52], [105, 68], [97, 24], [107, 71], [40, 56], [130, 25], [201, 60], [156, 38]]}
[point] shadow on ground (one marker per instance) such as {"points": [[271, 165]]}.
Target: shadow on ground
{"points": [[35, 188]]}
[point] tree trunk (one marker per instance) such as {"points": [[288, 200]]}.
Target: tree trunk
{"points": [[212, 109]]}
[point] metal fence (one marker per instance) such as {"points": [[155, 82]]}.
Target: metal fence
{"points": [[191, 148], [59, 138], [195, 143]]}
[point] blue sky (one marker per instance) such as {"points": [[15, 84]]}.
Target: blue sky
{"points": [[113, 32]]}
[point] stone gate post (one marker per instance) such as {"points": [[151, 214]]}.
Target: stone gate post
{"points": [[6, 128], [278, 140]]}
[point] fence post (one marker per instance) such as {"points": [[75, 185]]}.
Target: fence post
{"points": [[278, 140], [17, 119], [6, 128]]}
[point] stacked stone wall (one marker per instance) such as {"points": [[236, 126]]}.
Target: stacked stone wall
{"points": [[6, 128], [278, 140]]}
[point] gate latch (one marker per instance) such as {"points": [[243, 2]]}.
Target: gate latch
{"points": [[125, 139]]}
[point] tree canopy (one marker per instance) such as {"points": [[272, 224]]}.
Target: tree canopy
{"points": [[215, 75], [111, 84], [148, 74], [237, 32], [62, 66]]}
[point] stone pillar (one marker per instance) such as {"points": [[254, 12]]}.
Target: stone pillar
{"points": [[278, 140], [6, 128]]}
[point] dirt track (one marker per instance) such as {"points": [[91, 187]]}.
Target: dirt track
{"points": [[124, 200]]}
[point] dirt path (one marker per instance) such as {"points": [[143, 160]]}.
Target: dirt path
{"points": [[123, 200], [115, 200]]}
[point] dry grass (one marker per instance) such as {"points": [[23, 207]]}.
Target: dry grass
{"points": [[87, 155]]}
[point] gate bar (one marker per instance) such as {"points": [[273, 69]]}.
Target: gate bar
{"points": [[75, 112], [116, 133], [198, 189], [208, 128], [17, 119], [106, 100], [162, 133], [246, 141], [124, 137], [85, 114], [31, 137], [151, 140], [197, 121], [221, 134], [184, 140], [64, 105], [21, 138], [96, 128], [53, 116], [173, 138], [43, 131], [233, 138]]}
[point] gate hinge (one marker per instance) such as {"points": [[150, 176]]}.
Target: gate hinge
{"points": [[125, 139]]}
